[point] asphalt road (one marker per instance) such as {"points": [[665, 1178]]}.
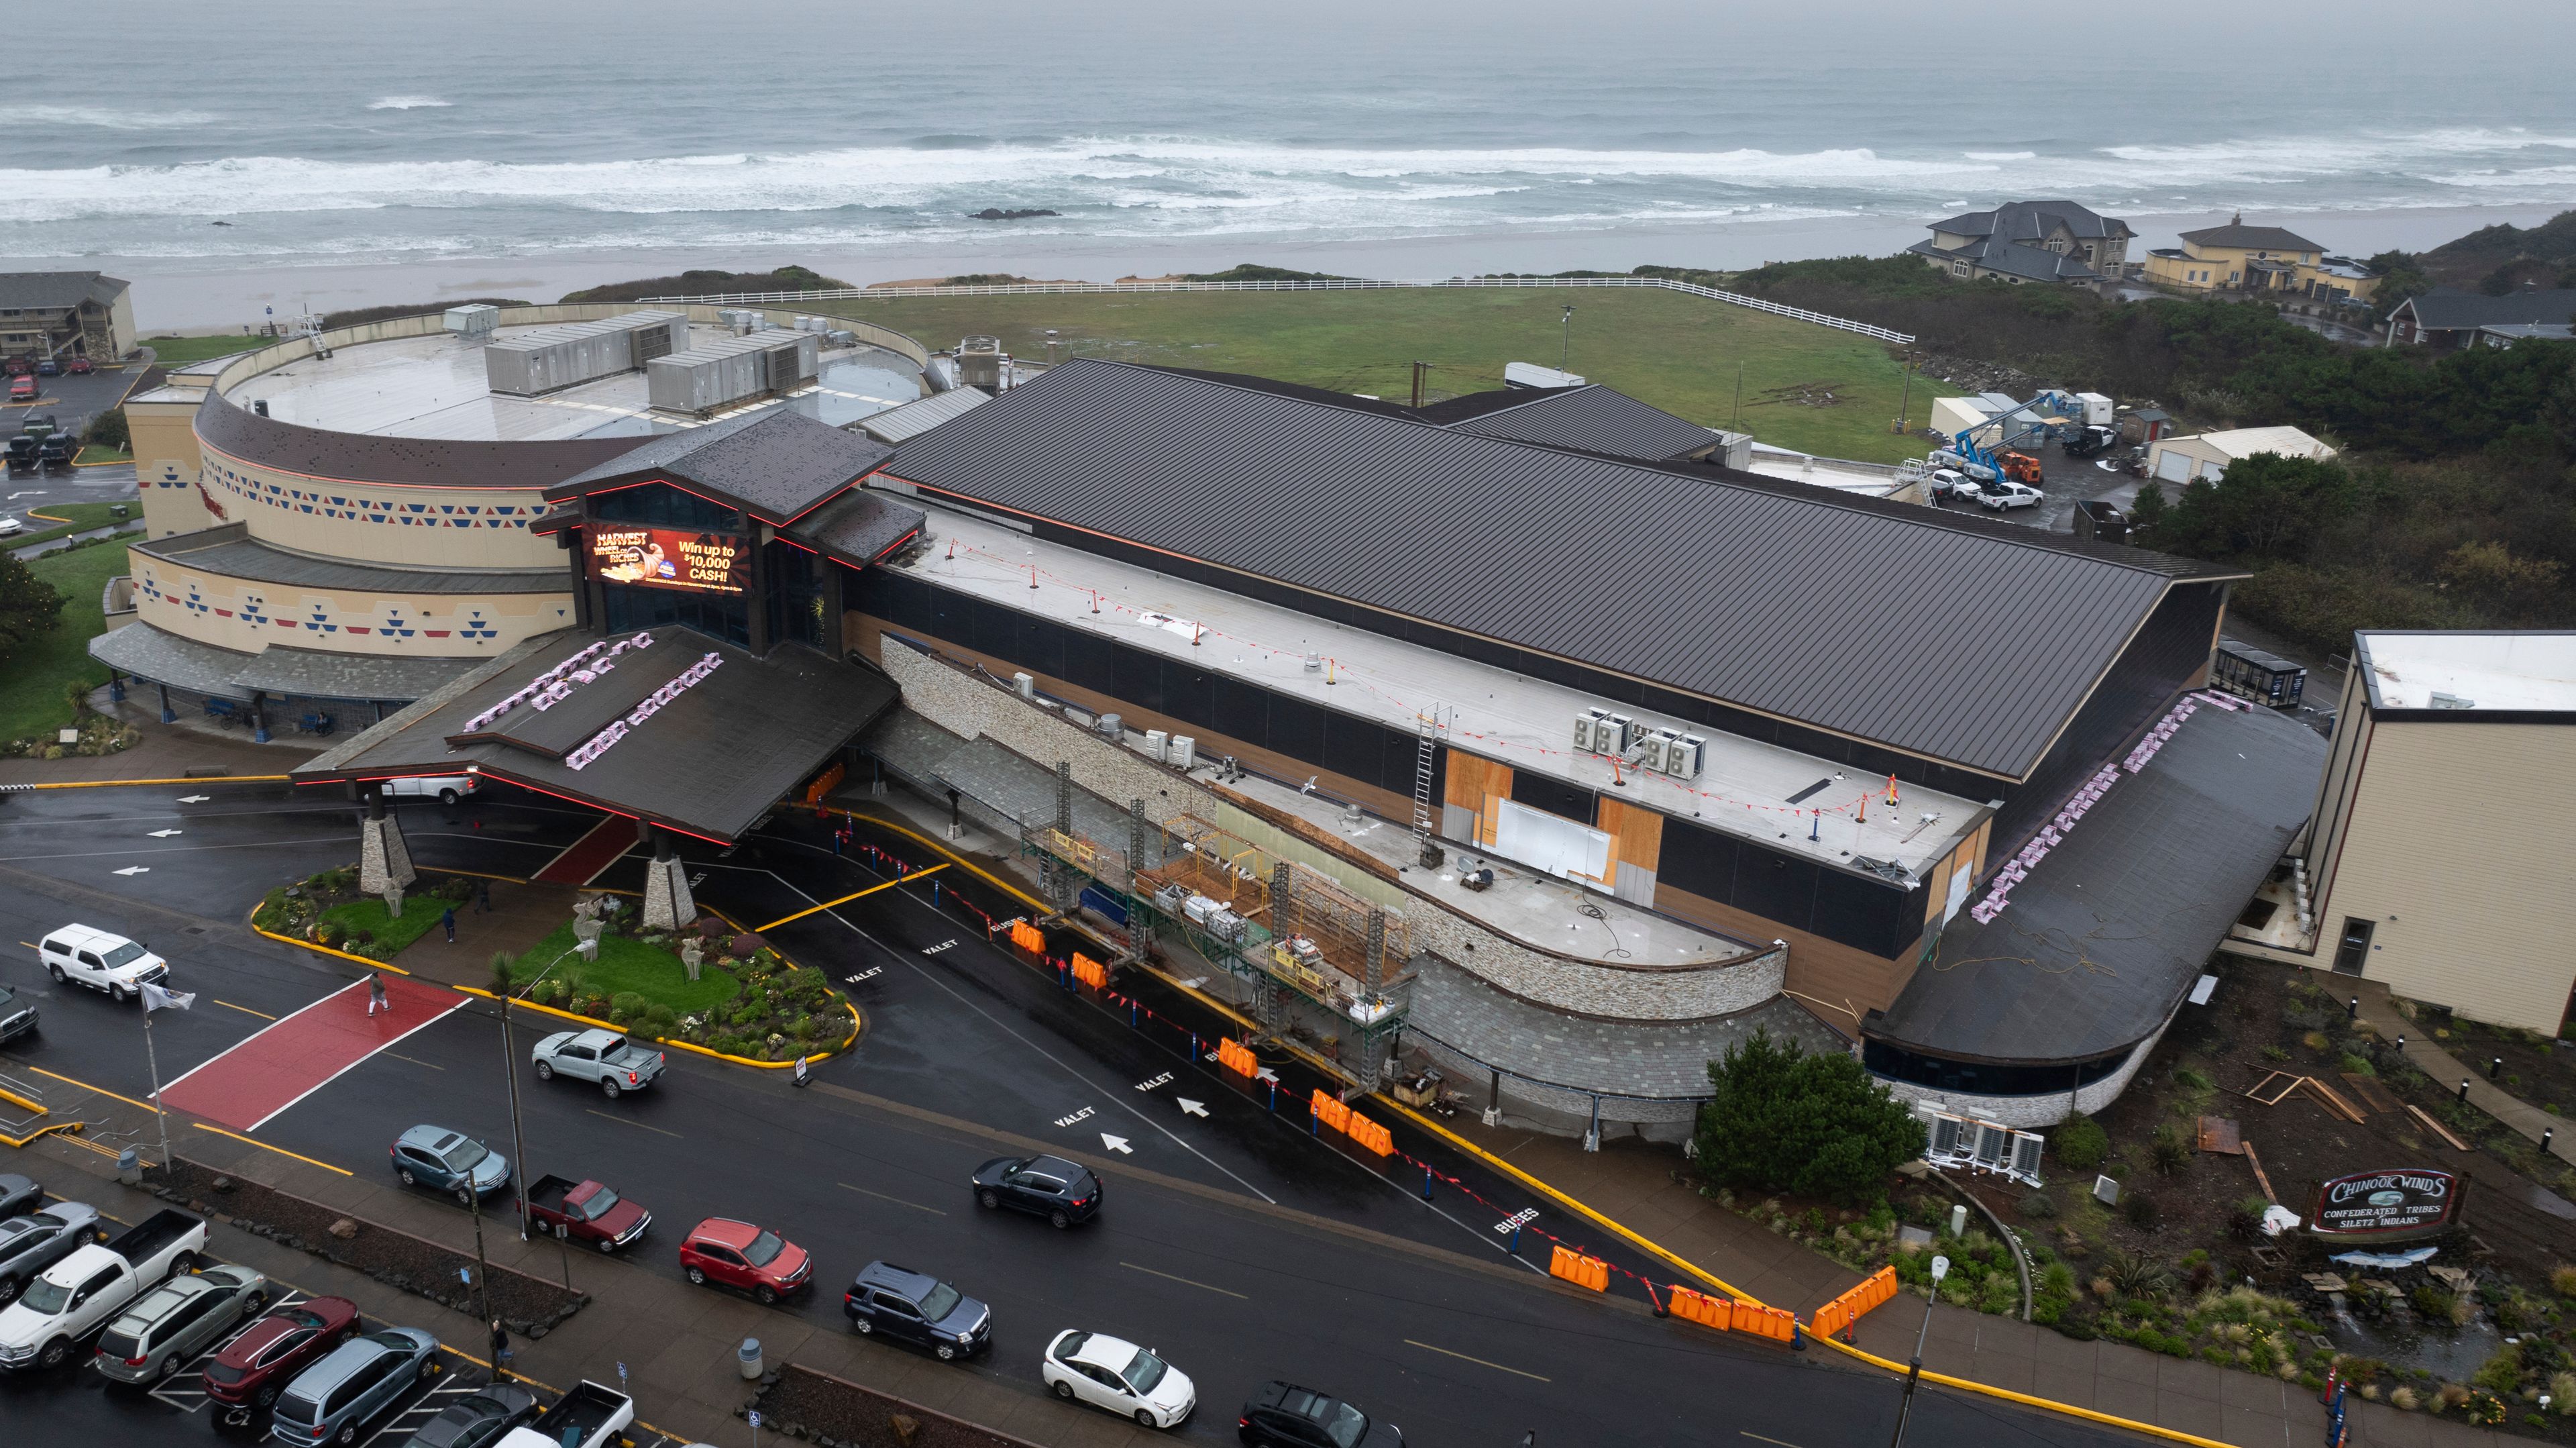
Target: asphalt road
{"points": [[1460, 1344]]}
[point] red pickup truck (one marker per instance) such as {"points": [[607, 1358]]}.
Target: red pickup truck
{"points": [[586, 1211]]}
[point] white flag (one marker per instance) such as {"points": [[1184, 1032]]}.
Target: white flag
{"points": [[154, 998]]}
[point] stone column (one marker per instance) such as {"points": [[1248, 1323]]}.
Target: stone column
{"points": [[384, 861], [667, 905]]}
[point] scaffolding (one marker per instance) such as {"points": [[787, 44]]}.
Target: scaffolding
{"points": [[1315, 957]]}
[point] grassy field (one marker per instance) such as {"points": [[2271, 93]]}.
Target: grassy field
{"points": [[66, 518], [31, 687], [1679, 352], [179, 351]]}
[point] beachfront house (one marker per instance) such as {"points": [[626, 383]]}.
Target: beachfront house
{"points": [[2447, 318], [2241, 258], [2057, 242]]}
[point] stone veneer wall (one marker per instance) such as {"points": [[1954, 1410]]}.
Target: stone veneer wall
{"points": [[2030, 1113], [969, 707]]}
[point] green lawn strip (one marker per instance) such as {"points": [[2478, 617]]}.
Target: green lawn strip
{"points": [[420, 914], [82, 516], [627, 965], [32, 683], [1677, 351], [179, 351], [94, 456]]}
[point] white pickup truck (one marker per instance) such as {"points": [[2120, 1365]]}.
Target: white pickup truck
{"points": [[590, 1416], [85, 1291]]}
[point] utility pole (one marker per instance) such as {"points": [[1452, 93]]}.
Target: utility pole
{"points": [[1905, 404], [501, 963], [1914, 1370], [1738, 424], [1565, 343], [1418, 369]]}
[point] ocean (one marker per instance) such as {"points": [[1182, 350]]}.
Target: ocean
{"points": [[187, 137]]}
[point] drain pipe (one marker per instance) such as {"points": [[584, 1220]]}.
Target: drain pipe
{"points": [[2012, 1239]]}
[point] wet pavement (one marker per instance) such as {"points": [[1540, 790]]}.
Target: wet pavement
{"points": [[1231, 1234]]}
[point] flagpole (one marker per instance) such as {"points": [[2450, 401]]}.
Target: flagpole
{"points": [[152, 1059]]}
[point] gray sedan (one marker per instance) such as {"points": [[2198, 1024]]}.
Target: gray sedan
{"points": [[32, 1243]]}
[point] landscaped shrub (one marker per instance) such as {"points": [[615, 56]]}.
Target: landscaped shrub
{"points": [[2169, 1150], [1785, 1119], [2080, 1144], [2140, 1209], [626, 1003]]}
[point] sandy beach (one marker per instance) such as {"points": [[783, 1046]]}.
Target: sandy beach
{"points": [[182, 295]]}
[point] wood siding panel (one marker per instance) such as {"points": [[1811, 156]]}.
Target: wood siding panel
{"points": [[1838, 982], [1636, 835], [1473, 784]]}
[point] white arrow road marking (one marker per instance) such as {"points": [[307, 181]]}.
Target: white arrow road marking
{"points": [[194, 798], [165, 834], [1115, 1143], [136, 870], [1194, 1108]]}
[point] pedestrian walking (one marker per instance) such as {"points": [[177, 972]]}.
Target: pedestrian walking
{"points": [[500, 1348], [483, 896], [801, 1074], [447, 917], [376, 993]]}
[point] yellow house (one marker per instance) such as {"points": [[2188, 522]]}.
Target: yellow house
{"points": [[2241, 258]]}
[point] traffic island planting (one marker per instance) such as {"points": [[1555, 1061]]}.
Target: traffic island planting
{"points": [[528, 1306], [326, 909], [798, 1402], [743, 999]]}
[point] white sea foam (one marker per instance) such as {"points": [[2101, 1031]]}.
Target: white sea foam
{"points": [[110, 118], [2001, 155], [409, 103]]}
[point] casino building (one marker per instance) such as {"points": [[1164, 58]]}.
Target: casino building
{"points": [[1514, 738]]}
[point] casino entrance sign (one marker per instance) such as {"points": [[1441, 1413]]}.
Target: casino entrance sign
{"points": [[2385, 1206]]}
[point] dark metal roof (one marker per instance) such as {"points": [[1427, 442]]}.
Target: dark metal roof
{"points": [[773, 464], [160, 657], [2115, 924], [363, 457], [1452, 411], [2450, 309], [857, 527], [2261, 238], [1592, 419], [38, 291], [2033, 220], [903, 423], [1956, 638], [229, 550], [2015, 258], [710, 762]]}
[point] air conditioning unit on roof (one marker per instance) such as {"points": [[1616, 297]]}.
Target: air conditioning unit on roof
{"points": [[1650, 751], [1583, 733]]}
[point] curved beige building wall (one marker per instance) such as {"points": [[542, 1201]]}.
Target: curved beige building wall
{"points": [[403, 524], [250, 615]]}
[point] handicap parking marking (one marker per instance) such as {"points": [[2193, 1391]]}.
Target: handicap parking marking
{"points": [[185, 1388], [451, 1386]]}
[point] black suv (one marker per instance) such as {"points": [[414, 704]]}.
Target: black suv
{"points": [[57, 450], [1294, 1417], [1050, 1186], [916, 1307], [22, 453]]}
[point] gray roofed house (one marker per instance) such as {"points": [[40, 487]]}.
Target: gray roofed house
{"points": [[1791, 602], [1589, 419], [2258, 238], [2449, 317], [2030, 241], [774, 465], [54, 314]]}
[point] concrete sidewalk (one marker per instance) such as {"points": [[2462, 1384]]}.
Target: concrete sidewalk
{"points": [[166, 752], [1633, 1184], [2379, 1013], [678, 1342]]}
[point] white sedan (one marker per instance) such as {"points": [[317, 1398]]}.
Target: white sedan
{"points": [[1128, 1380]]}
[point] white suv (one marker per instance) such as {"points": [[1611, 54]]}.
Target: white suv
{"points": [[101, 961]]}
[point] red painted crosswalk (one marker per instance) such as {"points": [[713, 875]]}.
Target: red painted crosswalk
{"points": [[300, 1054], [583, 859]]}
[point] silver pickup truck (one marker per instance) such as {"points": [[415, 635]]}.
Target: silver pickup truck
{"points": [[617, 1064]]}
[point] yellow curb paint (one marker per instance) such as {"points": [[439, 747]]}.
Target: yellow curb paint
{"points": [[14, 1099], [857, 1024], [281, 1151], [122, 783], [846, 899], [961, 861], [66, 1127], [2174, 1435], [48, 517], [85, 1086], [326, 950]]}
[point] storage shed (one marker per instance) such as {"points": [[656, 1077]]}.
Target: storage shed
{"points": [[2205, 456]]}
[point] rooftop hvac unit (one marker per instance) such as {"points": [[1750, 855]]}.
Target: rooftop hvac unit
{"points": [[1651, 752], [1622, 730], [1682, 756], [1944, 1137], [1184, 751], [474, 321], [1025, 686], [1157, 744], [1994, 1145], [1583, 732], [550, 359]]}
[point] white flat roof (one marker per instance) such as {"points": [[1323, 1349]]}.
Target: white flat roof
{"points": [[1835, 473], [2485, 671], [1743, 788], [435, 386]]}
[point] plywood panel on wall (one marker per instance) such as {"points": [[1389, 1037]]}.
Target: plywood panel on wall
{"points": [[1636, 835], [1473, 783]]}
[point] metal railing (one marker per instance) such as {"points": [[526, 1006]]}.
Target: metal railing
{"points": [[1041, 289]]}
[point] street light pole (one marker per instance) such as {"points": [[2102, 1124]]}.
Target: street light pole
{"points": [[1565, 343], [1914, 1369], [510, 1072]]}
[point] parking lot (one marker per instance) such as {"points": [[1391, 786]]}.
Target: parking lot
{"points": [[73, 400]]}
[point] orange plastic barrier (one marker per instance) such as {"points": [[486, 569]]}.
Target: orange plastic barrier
{"points": [[1090, 972], [1699, 1307], [1369, 1134], [1235, 1056], [1578, 1269], [1777, 1323], [1028, 937], [1852, 1306], [1330, 1110], [826, 782]]}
